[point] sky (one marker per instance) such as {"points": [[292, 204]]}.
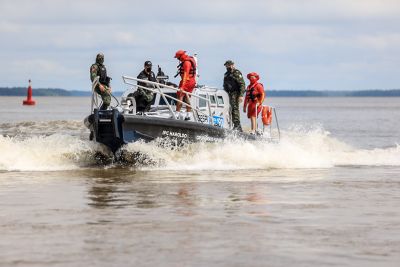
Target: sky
{"points": [[292, 44]]}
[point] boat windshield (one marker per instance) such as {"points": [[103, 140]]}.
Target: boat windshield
{"points": [[220, 100], [212, 98], [202, 101]]}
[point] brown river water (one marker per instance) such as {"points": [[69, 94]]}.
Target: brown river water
{"points": [[326, 195]]}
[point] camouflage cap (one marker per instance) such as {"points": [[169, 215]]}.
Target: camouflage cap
{"points": [[229, 63]]}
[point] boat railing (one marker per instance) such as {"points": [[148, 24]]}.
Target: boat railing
{"points": [[94, 102], [269, 127], [159, 86], [96, 96]]}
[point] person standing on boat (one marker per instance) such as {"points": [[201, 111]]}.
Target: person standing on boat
{"points": [[103, 88], [235, 87], [187, 71], [142, 96], [254, 99]]}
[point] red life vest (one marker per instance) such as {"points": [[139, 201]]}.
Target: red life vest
{"points": [[192, 72], [251, 94]]}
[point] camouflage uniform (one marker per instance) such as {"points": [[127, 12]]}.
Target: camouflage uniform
{"points": [[95, 70], [142, 96], [235, 87]]}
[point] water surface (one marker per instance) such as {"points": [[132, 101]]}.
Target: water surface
{"points": [[326, 195]]}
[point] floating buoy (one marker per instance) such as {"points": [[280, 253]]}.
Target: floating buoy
{"points": [[29, 100], [266, 115]]}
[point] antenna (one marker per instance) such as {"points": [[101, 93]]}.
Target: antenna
{"points": [[197, 67]]}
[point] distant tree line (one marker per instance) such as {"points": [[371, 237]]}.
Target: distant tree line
{"points": [[311, 93], [21, 91]]}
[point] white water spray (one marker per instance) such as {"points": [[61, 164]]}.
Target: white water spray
{"points": [[297, 149]]}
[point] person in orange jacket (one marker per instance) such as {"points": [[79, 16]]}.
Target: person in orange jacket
{"points": [[187, 71], [254, 97]]}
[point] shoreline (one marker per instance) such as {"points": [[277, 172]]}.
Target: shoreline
{"points": [[19, 91]]}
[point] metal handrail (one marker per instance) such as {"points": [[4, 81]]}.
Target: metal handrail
{"points": [[158, 84], [164, 96], [173, 98], [277, 124], [95, 96], [269, 126], [94, 99]]}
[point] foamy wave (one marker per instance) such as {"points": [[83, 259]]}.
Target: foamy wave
{"points": [[297, 149], [43, 153]]}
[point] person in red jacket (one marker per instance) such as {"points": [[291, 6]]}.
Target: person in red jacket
{"points": [[254, 97], [187, 71]]}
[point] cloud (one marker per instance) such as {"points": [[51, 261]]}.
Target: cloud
{"points": [[206, 11], [294, 43]]}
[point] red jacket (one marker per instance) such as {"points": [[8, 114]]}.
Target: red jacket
{"points": [[254, 94]]}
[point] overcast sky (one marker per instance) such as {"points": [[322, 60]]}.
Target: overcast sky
{"points": [[292, 44]]}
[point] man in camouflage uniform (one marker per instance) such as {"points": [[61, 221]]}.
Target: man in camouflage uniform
{"points": [[235, 87], [103, 88], [142, 96]]}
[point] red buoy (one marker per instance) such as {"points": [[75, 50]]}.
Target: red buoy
{"points": [[29, 100]]}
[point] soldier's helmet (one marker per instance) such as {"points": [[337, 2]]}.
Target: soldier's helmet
{"points": [[229, 63], [100, 58]]}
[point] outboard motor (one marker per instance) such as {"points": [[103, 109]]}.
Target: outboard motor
{"points": [[107, 128]]}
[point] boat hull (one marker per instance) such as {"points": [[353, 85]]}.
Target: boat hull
{"points": [[114, 129], [148, 128]]}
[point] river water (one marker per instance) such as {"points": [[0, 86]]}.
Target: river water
{"points": [[327, 195]]}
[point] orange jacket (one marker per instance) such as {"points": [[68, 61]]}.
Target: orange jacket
{"points": [[254, 94]]}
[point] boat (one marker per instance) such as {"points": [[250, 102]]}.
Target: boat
{"points": [[210, 119]]}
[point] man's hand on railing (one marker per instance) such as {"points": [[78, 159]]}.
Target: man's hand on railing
{"points": [[104, 89]]}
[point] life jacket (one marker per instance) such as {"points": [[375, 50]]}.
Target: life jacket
{"points": [[192, 71], [251, 93], [102, 72], [266, 115]]}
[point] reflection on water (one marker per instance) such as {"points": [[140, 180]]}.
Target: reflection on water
{"points": [[199, 218], [108, 187], [125, 187], [119, 188], [186, 200]]}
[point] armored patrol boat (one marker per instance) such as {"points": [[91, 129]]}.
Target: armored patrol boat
{"points": [[210, 119]]}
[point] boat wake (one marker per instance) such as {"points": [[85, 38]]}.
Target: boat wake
{"points": [[49, 153], [298, 148]]}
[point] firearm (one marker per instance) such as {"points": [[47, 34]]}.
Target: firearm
{"points": [[161, 77]]}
